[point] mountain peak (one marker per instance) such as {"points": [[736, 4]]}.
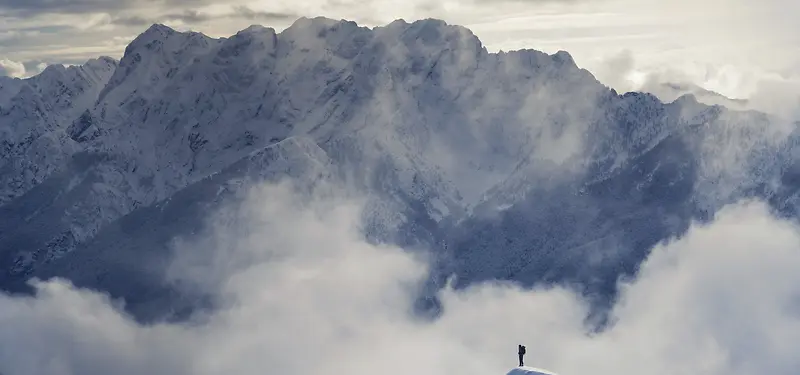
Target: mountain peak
{"points": [[319, 21], [257, 29], [53, 69], [156, 53], [102, 63], [159, 29], [317, 24], [563, 58], [155, 34], [429, 27], [430, 22], [102, 60]]}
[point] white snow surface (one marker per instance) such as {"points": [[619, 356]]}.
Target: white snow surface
{"points": [[34, 116], [526, 370]]}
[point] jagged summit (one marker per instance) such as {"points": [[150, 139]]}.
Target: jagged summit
{"points": [[429, 29], [318, 21], [159, 35], [256, 29], [89, 67], [54, 69], [159, 29], [564, 57], [101, 61]]}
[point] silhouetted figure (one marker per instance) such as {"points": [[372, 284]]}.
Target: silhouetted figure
{"points": [[521, 353]]}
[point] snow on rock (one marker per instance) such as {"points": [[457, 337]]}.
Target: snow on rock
{"points": [[102, 190], [34, 116], [296, 158]]}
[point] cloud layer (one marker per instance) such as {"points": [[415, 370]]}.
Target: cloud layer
{"points": [[299, 291]]}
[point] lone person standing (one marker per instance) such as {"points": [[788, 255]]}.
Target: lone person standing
{"points": [[521, 353]]}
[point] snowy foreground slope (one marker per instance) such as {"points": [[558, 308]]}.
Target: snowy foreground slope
{"points": [[527, 370], [514, 165]]}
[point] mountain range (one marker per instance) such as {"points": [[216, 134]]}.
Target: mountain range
{"points": [[515, 166]]}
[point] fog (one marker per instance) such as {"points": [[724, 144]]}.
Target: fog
{"points": [[300, 291]]}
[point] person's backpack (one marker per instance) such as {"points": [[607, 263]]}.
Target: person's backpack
{"points": [[522, 349]]}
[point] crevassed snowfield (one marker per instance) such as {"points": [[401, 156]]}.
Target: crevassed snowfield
{"points": [[396, 199]]}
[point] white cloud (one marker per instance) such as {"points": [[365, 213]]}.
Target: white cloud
{"points": [[736, 87], [720, 301], [778, 94], [733, 47], [301, 292], [11, 68]]}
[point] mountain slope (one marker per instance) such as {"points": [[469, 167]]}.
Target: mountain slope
{"points": [[141, 241], [34, 116]]}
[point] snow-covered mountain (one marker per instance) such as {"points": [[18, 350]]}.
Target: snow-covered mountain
{"points": [[35, 114], [516, 165]]}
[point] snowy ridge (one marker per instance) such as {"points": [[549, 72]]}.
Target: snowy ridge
{"points": [[296, 158], [90, 198], [34, 115]]}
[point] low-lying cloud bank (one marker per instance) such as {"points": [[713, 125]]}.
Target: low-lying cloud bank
{"points": [[735, 87], [301, 292], [11, 68]]}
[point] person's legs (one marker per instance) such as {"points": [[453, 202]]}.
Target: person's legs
{"points": [[520, 359]]}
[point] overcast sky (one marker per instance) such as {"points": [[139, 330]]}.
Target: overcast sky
{"points": [[727, 46]]}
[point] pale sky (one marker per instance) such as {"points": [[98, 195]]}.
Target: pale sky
{"points": [[728, 46]]}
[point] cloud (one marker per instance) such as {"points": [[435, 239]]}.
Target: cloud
{"points": [[187, 16], [76, 31], [37, 7], [251, 14], [778, 94], [12, 68], [773, 92], [723, 300], [728, 47], [299, 291], [191, 16], [25, 7]]}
